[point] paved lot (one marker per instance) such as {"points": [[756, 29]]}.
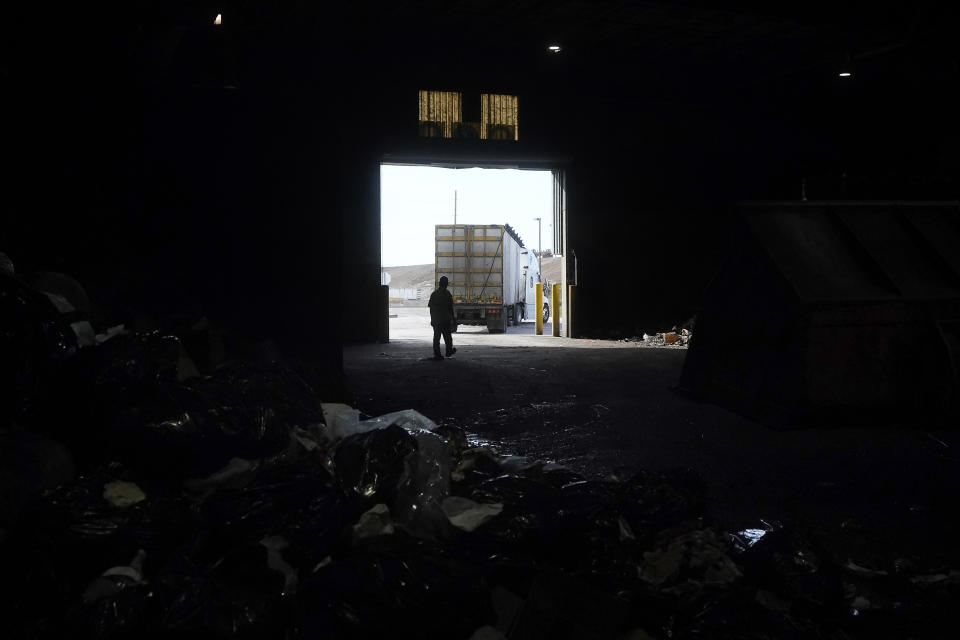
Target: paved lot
{"points": [[412, 325]]}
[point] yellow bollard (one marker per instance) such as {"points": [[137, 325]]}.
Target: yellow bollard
{"points": [[539, 299], [555, 305]]}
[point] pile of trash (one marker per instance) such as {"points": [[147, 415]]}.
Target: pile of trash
{"points": [[675, 339], [140, 501]]}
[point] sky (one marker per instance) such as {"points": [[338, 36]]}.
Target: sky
{"points": [[414, 199]]}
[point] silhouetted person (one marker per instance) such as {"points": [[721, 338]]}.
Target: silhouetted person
{"points": [[441, 317]]}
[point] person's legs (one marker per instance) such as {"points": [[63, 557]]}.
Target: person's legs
{"points": [[436, 342], [448, 340]]}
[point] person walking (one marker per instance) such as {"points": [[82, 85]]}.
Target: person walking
{"points": [[442, 318]]}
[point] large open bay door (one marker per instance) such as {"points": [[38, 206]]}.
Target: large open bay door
{"points": [[560, 249]]}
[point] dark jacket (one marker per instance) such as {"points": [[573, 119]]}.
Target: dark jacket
{"points": [[441, 307]]}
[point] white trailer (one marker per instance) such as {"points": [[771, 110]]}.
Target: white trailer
{"points": [[532, 278], [487, 269]]}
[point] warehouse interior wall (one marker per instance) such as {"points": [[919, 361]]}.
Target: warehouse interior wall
{"points": [[255, 182], [652, 184]]}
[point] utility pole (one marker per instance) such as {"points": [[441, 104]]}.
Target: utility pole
{"points": [[454, 207], [539, 249]]}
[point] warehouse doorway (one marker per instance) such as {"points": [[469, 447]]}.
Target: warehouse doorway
{"points": [[513, 213]]}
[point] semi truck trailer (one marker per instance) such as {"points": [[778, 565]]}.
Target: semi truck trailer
{"points": [[489, 272]]}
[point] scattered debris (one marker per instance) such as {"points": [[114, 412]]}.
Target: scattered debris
{"points": [[235, 505], [937, 440], [697, 555], [275, 560], [863, 571], [114, 580], [670, 339], [467, 515], [375, 521], [123, 494]]}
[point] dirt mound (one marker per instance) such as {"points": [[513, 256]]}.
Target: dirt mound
{"points": [[552, 270], [410, 275]]}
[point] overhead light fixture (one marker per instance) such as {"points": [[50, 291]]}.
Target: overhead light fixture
{"points": [[218, 19], [846, 69], [555, 48]]}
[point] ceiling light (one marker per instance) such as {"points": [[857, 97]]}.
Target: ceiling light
{"points": [[218, 19], [845, 70], [554, 48]]}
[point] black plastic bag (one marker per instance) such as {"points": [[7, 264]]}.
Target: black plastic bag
{"points": [[193, 428], [119, 602], [561, 606], [34, 341], [231, 594], [290, 499], [83, 533], [36, 593], [254, 404], [530, 516], [128, 379], [29, 464], [369, 467], [73, 534], [130, 366], [787, 565], [424, 485], [396, 586], [652, 501], [455, 437]]}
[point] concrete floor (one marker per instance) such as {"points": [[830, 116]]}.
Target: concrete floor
{"points": [[604, 406]]}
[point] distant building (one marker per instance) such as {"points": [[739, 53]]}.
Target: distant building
{"points": [[406, 293]]}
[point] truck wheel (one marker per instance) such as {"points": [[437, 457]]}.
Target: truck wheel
{"points": [[546, 312]]}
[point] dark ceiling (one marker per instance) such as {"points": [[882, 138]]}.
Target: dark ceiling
{"points": [[660, 44], [674, 46]]}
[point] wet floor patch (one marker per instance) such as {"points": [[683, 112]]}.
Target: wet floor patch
{"points": [[574, 434]]}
